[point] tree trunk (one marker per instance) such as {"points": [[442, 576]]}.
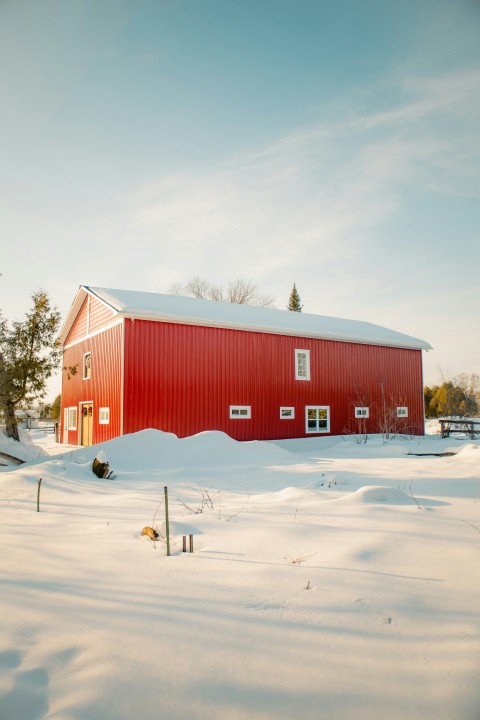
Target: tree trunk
{"points": [[11, 426]]}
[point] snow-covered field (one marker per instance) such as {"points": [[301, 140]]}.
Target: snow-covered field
{"points": [[329, 580]]}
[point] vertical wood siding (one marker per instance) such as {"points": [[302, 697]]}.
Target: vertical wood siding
{"points": [[100, 315], [182, 379], [104, 386], [79, 327], [93, 316]]}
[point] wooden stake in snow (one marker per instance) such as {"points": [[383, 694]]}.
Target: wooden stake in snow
{"points": [[190, 543], [38, 494], [167, 526]]}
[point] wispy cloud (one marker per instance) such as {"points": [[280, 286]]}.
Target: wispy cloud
{"points": [[311, 200]]}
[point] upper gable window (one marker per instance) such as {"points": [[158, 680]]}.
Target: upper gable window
{"points": [[87, 366], [302, 364]]}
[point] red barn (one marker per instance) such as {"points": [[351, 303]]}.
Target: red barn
{"points": [[136, 360]]}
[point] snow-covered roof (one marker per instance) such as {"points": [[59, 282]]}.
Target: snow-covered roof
{"points": [[186, 310]]}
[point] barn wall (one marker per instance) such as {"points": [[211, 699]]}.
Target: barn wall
{"points": [[182, 379], [104, 386], [100, 315], [79, 326], [93, 316]]}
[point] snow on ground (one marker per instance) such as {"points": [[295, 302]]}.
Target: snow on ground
{"points": [[328, 580]]}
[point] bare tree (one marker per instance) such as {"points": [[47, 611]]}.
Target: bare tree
{"points": [[387, 418], [239, 291]]}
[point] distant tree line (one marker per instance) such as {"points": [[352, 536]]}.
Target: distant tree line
{"points": [[458, 396], [239, 291]]}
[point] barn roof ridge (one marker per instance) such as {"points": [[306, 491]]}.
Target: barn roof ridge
{"points": [[186, 310]]}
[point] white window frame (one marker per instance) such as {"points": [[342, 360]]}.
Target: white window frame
{"points": [[240, 412], [287, 413], [402, 412], [72, 416], [361, 413], [298, 354], [104, 416], [87, 377], [317, 430]]}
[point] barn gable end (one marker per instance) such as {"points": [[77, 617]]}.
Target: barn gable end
{"points": [[79, 325], [87, 316]]}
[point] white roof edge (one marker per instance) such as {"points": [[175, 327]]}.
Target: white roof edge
{"points": [[422, 345], [191, 311]]}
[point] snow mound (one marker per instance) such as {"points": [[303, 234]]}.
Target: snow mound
{"points": [[467, 449], [179, 528], [212, 447], [380, 494], [24, 450], [157, 449], [289, 495]]}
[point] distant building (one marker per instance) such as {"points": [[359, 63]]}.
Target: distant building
{"points": [[26, 417], [144, 360]]}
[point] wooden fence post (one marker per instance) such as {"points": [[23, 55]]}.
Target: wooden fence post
{"points": [[167, 525], [38, 495]]}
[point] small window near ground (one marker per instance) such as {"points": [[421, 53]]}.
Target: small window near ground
{"points": [[104, 416], [362, 412], [87, 366], [240, 412], [302, 364], [317, 419], [72, 418], [287, 413], [402, 411]]}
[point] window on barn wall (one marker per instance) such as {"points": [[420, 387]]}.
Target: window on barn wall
{"points": [[287, 413], [240, 412], [87, 366], [302, 364], [317, 419], [362, 412], [72, 418], [104, 416], [402, 411]]}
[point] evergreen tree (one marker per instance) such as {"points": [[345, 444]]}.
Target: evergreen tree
{"points": [[56, 405], [458, 396], [294, 303], [28, 357]]}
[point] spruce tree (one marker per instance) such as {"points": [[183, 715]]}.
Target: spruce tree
{"points": [[294, 303], [28, 356]]}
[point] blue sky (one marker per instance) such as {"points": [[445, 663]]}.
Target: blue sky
{"points": [[330, 144]]}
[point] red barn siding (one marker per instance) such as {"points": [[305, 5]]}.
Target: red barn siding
{"points": [[182, 379], [100, 315], [104, 386], [93, 316], [79, 327]]}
